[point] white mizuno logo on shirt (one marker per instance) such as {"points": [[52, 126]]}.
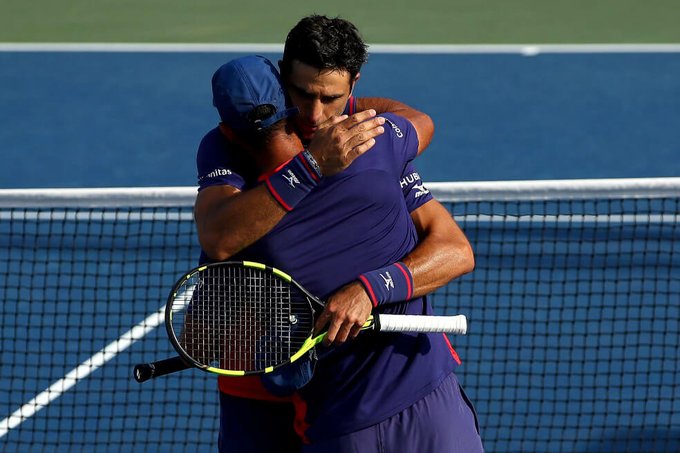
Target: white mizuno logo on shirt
{"points": [[421, 190], [389, 283]]}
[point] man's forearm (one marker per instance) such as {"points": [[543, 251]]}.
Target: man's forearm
{"points": [[443, 252], [442, 255], [228, 220]]}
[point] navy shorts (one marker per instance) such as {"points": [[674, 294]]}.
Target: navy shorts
{"points": [[254, 426], [442, 422]]}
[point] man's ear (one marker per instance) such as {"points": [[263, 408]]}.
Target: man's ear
{"points": [[282, 66], [284, 72], [353, 83]]}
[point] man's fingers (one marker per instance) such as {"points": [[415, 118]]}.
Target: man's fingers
{"points": [[354, 332], [347, 311], [336, 145], [339, 332], [369, 124], [321, 321], [332, 333], [362, 137], [359, 150], [340, 328], [332, 121], [358, 118]]}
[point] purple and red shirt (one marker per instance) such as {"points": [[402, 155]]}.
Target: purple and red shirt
{"points": [[353, 222]]}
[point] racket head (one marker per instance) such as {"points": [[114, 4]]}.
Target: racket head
{"points": [[239, 318]]}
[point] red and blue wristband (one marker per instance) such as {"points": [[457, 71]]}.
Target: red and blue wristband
{"points": [[393, 283], [294, 180]]}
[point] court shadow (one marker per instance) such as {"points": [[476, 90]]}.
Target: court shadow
{"points": [[645, 440]]}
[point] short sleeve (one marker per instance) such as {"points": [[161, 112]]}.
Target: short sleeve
{"points": [[403, 141], [415, 192], [215, 162]]}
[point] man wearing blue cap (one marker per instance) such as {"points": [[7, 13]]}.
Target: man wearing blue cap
{"points": [[338, 229]]}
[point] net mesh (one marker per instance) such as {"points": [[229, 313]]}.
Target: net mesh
{"points": [[574, 311]]}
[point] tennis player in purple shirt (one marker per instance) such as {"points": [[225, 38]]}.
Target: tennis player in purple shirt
{"points": [[344, 231]]}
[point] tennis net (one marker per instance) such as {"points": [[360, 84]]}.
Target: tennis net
{"points": [[574, 307]]}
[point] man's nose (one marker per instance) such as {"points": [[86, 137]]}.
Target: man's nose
{"points": [[315, 112]]}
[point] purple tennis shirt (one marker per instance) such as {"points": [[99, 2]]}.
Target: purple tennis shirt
{"points": [[353, 222]]}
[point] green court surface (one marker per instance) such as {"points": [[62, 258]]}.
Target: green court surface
{"points": [[396, 21]]}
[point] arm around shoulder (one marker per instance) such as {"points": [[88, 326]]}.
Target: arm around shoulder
{"points": [[229, 220], [422, 122]]}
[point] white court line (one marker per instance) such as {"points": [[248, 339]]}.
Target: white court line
{"points": [[83, 370], [522, 49]]}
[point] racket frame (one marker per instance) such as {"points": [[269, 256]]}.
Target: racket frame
{"points": [[397, 323], [309, 343]]}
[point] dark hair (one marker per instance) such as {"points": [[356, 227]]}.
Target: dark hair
{"points": [[261, 113], [325, 43], [259, 138]]}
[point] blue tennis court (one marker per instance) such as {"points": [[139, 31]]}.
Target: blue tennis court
{"points": [[100, 119]]}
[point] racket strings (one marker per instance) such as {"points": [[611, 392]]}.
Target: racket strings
{"points": [[240, 318]]}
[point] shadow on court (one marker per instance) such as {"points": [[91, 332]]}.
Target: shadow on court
{"points": [[643, 440]]}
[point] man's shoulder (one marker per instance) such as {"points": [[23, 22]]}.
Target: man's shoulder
{"points": [[396, 125], [398, 140], [214, 140], [215, 147]]}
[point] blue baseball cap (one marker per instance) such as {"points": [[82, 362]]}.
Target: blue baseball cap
{"points": [[245, 83]]}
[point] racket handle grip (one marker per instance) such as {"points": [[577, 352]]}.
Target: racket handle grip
{"points": [[456, 325], [145, 371]]}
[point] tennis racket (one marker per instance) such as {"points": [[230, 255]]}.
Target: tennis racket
{"points": [[242, 318]]}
